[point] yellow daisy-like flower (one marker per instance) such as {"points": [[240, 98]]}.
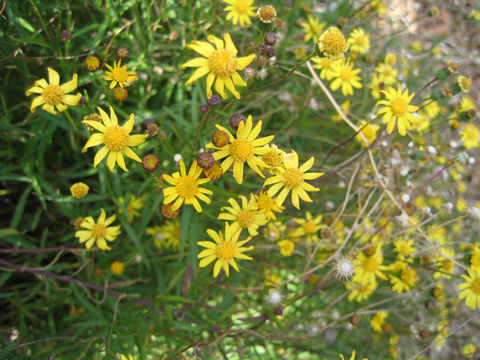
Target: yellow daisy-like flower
{"points": [[359, 41], [79, 190], [346, 77], [467, 104], [273, 158], [475, 258], [404, 248], [245, 217], [224, 249], [52, 94], [352, 357], [360, 291], [267, 14], [369, 131], [119, 74], [186, 187], [98, 232], [378, 320], [470, 134], [386, 74], [332, 43], [471, 289], [123, 357], [292, 178], [117, 267], [135, 203], [240, 11], [367, 268], [464, 83], [116, 140], [243, 149], [286, 247], [221, 65], [308, 227], [408, 278], [266, 204], [325, 65], [313, 28], [397, 109]]}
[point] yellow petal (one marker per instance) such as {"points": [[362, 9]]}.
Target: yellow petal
{"points": [[71, 85], [53, 77], [100, 156]]}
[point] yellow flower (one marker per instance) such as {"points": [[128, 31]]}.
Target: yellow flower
{"points": [[186, 187], [79, 190], [367, 268], [308, 227], [221, 65], [369, 131], [470, 134], [386, 74], [273, 158], [360, 291], [117, 140], [92, 63], [378, 320], [416, 46], [52, 94], [469, 350], [245, 217], [98, 232], [475, 258], [445, 263], [119, 74], [391, 59], [346, 77], [286, 247], [359, 41], [408, 278], [117, 267], [467, 104], [397, 109], [471, 288], [332, 43], [240, 11], [464, 83], [244, 149], [223, 249], [326, 65], [133, 205], [404, 248], [266, 205], [292, 178], [313, 28], [352, 357], [123, 357], [267, 14]]}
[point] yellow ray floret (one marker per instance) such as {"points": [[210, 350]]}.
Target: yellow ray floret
{"points": [[219, 63]]}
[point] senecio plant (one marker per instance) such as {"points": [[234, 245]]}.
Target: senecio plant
{"points": [[239, 180]]}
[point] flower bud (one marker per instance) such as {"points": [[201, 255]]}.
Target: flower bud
{"points": [[92, 63], [220, 138], [120, 94], [436, 292], [355, 320], [168, 212], [430, 305], [205, 160], [271, 52], [278, 310], [204, 108], [214, 172], [152, 129], [150, 162], [270, 38], [235, 120], [215, 100], [123, 53]]}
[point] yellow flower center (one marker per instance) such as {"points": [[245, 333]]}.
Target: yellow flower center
{"points": [[293, 177], [404, 249], [187, 187], [241, 6], [273, 158], [471, 132], [53, 94], [399, 106], [222, 63], [362, 289], [387, 72], [241, 149], [309, 227], [333, 42], [99, 231], [360, 41], [368, 131], [120, 74], [245, 218], [115, 138], [475, 286], [346, 74], [226, 250], [447, 266], [370, 264], [267, 14]]}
